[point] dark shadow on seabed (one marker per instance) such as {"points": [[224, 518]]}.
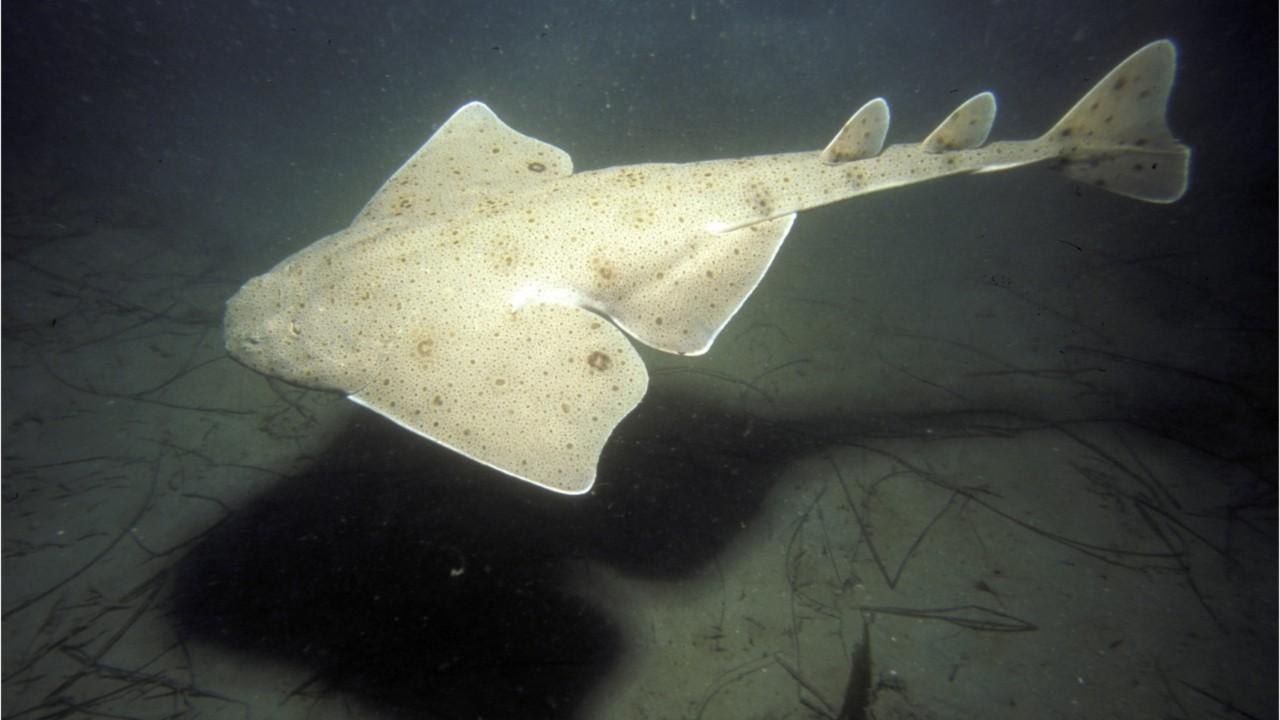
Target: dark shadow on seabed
{"points": [[431, 586]]}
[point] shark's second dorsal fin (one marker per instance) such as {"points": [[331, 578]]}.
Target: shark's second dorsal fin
{"points": [[472, 156], [861, 137], [965, 128]]}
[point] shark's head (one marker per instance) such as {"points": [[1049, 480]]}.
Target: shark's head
{"points": [[271, 327], [296, 323], [257, 325]]}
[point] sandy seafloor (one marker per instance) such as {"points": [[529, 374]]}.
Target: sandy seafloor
{"points": [[994, 446]]}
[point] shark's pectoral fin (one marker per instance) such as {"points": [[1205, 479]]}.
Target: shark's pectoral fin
{"points": [[681, 307], [534, 392], [473, 157]]}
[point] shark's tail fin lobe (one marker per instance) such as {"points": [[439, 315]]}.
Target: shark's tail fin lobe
{"points": [[1116, 138]]}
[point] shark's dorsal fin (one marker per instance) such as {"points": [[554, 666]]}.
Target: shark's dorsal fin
{"points": [[473, 156], [861, 137], [965, 128]]}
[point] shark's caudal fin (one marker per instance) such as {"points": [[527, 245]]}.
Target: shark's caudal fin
{"points": [[1115, 138]]}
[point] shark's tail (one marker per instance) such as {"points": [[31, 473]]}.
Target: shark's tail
{"points": [[1115, 138]]}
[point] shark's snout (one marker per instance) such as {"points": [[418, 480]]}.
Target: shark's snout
{"points": [[247, 324]]}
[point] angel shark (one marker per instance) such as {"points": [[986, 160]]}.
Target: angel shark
{"points": [[480, 297]]}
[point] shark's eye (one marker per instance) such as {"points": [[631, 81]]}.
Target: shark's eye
{"points": [[599, 361]]}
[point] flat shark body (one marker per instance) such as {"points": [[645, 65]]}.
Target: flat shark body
{"points": [[480, 298]]}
